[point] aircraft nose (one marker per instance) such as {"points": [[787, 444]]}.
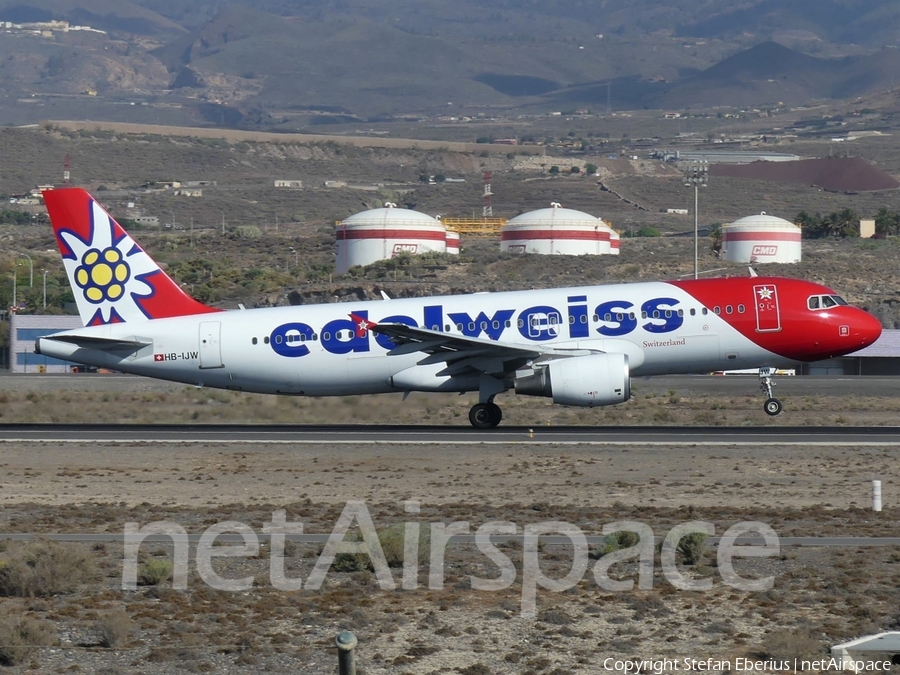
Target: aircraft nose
{"points": [[868, 328]]}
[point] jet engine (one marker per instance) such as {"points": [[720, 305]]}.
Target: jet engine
{"points": [[598, 379]]}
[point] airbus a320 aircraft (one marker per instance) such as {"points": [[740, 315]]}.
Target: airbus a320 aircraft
{"points": [[579, 346]]}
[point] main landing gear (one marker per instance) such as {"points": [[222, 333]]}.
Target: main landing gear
{"points": [[772, 406], [485, 415]]}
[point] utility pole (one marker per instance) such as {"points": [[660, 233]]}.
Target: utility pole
{"points": [[696, 175], [30, 270], [44, 272]]}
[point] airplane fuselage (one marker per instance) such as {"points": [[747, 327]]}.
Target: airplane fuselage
{"points": [[317, 350]]}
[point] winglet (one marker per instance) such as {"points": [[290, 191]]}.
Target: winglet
{"points": [[363, 325]]}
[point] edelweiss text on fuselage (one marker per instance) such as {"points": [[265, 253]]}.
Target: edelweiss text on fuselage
{"points": [[538, 324]]}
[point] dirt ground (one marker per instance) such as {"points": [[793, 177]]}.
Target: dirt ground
{"points": [[819, 596]]}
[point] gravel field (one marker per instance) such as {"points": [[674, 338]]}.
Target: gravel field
{"points": [[75, 616]]}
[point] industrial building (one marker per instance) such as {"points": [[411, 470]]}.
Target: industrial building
{"points": [[382, 234], [761, 239], [556, 231], [24, 329]]}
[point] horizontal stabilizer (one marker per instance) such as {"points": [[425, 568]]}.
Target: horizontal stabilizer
{"points": [[100, 343]]}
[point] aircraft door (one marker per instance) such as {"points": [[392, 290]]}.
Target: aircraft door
{"points": [[768, 314], [210, 344]]}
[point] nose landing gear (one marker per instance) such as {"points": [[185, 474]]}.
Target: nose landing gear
{"points": [[772, 406]]}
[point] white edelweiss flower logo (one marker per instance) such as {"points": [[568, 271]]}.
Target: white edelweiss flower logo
{"points": [[113, 274]]}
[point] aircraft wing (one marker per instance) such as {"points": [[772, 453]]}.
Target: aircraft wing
{"points": [[460, 353]]}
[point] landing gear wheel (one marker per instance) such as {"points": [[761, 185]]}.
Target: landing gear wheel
{"points": [[485, 415], [772, 406]]}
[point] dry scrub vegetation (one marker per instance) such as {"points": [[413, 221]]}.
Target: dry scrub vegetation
{"points": [[175, 404], [820, 596]]}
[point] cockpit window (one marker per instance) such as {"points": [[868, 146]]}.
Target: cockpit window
{"points": [[825, 301]]}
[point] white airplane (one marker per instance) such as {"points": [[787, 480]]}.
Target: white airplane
{"points": [[579, 346]]}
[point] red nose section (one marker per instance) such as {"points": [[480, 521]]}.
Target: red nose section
{"points": [[867, 328]]}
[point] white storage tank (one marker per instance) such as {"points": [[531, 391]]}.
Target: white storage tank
{"points": [[614, 241], [556, 231], [761, 239], [381, 234], [453, 242]]}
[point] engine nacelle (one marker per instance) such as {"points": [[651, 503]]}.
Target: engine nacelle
{"points": [[598, 379]]}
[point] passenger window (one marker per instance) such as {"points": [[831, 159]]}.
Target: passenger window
{"points": [[680, 312], [508, 324], [607, 317], [266, 339], [253, 340], [326, 336], [728, 309], [459, 327], [277, 339], [619, 316], [496, 324], [596, 317], [704, 311], [520, 323], [740, 309], [668, 313], [484, 325], [655, 313], [717, 310], [584, 318], [471, 325], [571, 319]]}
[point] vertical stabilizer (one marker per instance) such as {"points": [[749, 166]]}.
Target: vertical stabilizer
{"points": [[112, 278]]}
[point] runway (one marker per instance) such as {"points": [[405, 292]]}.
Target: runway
{"points": [[671, 436]]}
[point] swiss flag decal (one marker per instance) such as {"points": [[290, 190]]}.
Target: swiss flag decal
{"points": [[768, 318]]}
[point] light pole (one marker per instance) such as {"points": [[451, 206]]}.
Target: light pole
{"points": [[15, 279], [696, 175], [30, 270], [44, 273]]}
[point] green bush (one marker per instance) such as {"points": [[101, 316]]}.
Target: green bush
{"points": [[391, 539], [616, 541], [692, 547], [154, 571]]}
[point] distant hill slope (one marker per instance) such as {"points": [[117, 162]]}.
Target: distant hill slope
{"points": [[121, 16], [769, 73], [872, 23]]}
